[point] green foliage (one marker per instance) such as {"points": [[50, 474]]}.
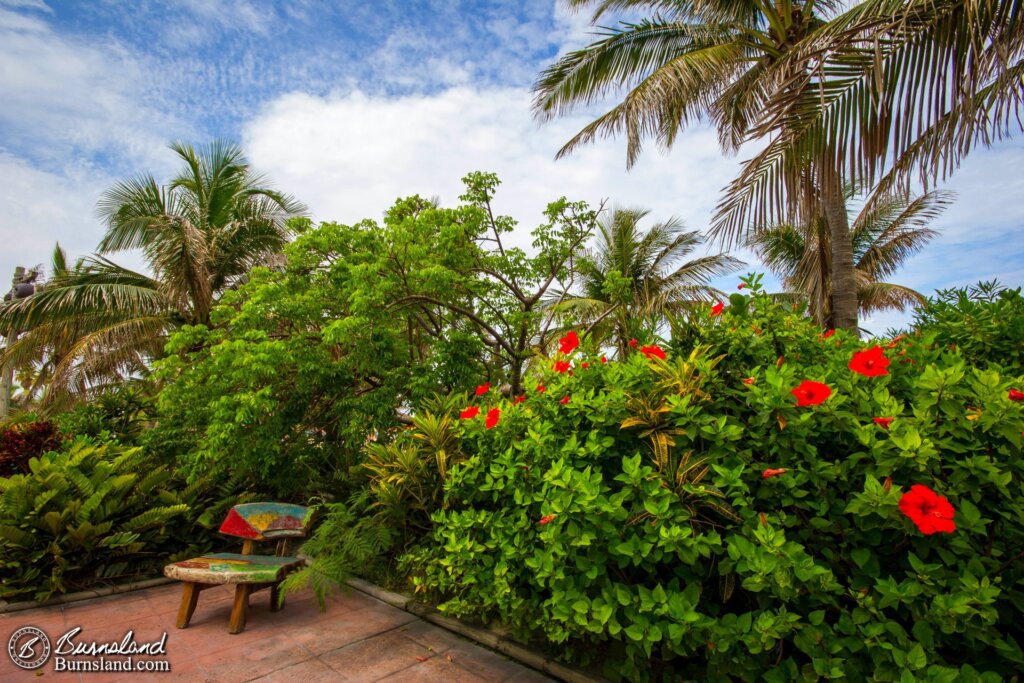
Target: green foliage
{"points": [[22, 441], [99, 514], [120, 414], [298, 369], [665, 553], [350, 540], [985, 322]]}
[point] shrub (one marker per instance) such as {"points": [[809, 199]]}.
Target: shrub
{"points": [[19, 443], [985, 322], [96, 514], [119, 414], [686, 518]]}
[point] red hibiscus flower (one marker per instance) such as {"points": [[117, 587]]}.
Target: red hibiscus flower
{"points": [[884, 422], [633, 343], [603, 360], [928, 510], [469, 413], [870, 363], [493, 415], [483, 388], [585, 365], [742, 285], [1016, 395], [748, 381], [653, 351], [565, 399], [811, 393], [545, 519], [562, 366], [769, 473], [568, 343], [717, 309], [541, 388], [828, 334], [519, 399]]}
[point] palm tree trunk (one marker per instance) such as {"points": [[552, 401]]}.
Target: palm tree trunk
{"points": [[844, 280]]}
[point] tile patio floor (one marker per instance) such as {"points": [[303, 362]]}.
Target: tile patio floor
{"points": [[358, 638]]}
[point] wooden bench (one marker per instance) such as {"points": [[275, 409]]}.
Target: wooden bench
{"points": [[253, 522]]}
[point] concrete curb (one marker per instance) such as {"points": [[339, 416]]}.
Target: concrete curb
{"points": [[7, 607], [485, 636]]}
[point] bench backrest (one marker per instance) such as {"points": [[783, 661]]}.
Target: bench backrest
{"points": [[267, 521]]}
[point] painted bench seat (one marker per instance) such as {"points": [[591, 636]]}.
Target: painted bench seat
{"points": [[247, 571], [221, 568]]}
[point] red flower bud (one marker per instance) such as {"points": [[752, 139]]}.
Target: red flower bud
{"points": [[769, 473], [546, 519]]}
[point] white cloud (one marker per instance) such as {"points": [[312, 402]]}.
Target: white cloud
{"points": [[40, 209], [65, 99], [350, 156], [37, 5]]}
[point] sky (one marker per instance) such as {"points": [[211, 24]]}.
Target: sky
{"points": [[349, 105]]}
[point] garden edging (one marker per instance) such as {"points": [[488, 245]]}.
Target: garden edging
{"points": [[487, 637], [6, 607]]}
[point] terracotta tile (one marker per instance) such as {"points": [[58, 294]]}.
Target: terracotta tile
{"points": [[255, 659], [350, 627], [433, 637], [434, 670], [481, 662], [309, 671], [376, 657]]}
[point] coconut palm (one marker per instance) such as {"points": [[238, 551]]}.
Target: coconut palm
{"points": [[199, 235], [895, 89], [713, 60], [885, 233], [631, 279]]}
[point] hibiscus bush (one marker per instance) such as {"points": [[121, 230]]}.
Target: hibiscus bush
{"points": [[753, 498]]}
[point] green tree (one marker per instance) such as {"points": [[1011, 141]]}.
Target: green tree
{"points": [[199, 235], [888, 91], [717, 61], [885, 233], [631, 279]]}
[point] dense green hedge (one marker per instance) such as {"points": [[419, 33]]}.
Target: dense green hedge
{"points": [[686, 518], [100, 513]]}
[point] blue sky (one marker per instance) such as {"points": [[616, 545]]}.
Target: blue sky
{"points": [[350, 104]]}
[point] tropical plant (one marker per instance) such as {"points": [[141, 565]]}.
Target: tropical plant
{"points": [[984, 322], [886, 91], [631, 279], [815, 509], [885, 233], [717, 61], [20, 442], [199, 235], [101, 513]]}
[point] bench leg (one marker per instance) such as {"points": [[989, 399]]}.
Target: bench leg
{"points": [[240, 608], [189, 597], [276, 598]]}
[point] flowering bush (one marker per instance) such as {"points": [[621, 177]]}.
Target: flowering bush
{"points": [[767, 502]]}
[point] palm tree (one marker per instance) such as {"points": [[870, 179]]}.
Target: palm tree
{"points": [[714, 60], [98, 321], [885, 233], [891, 89], [630, 280]]}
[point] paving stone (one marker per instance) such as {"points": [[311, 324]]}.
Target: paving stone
{"points": [[358, 638]]}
